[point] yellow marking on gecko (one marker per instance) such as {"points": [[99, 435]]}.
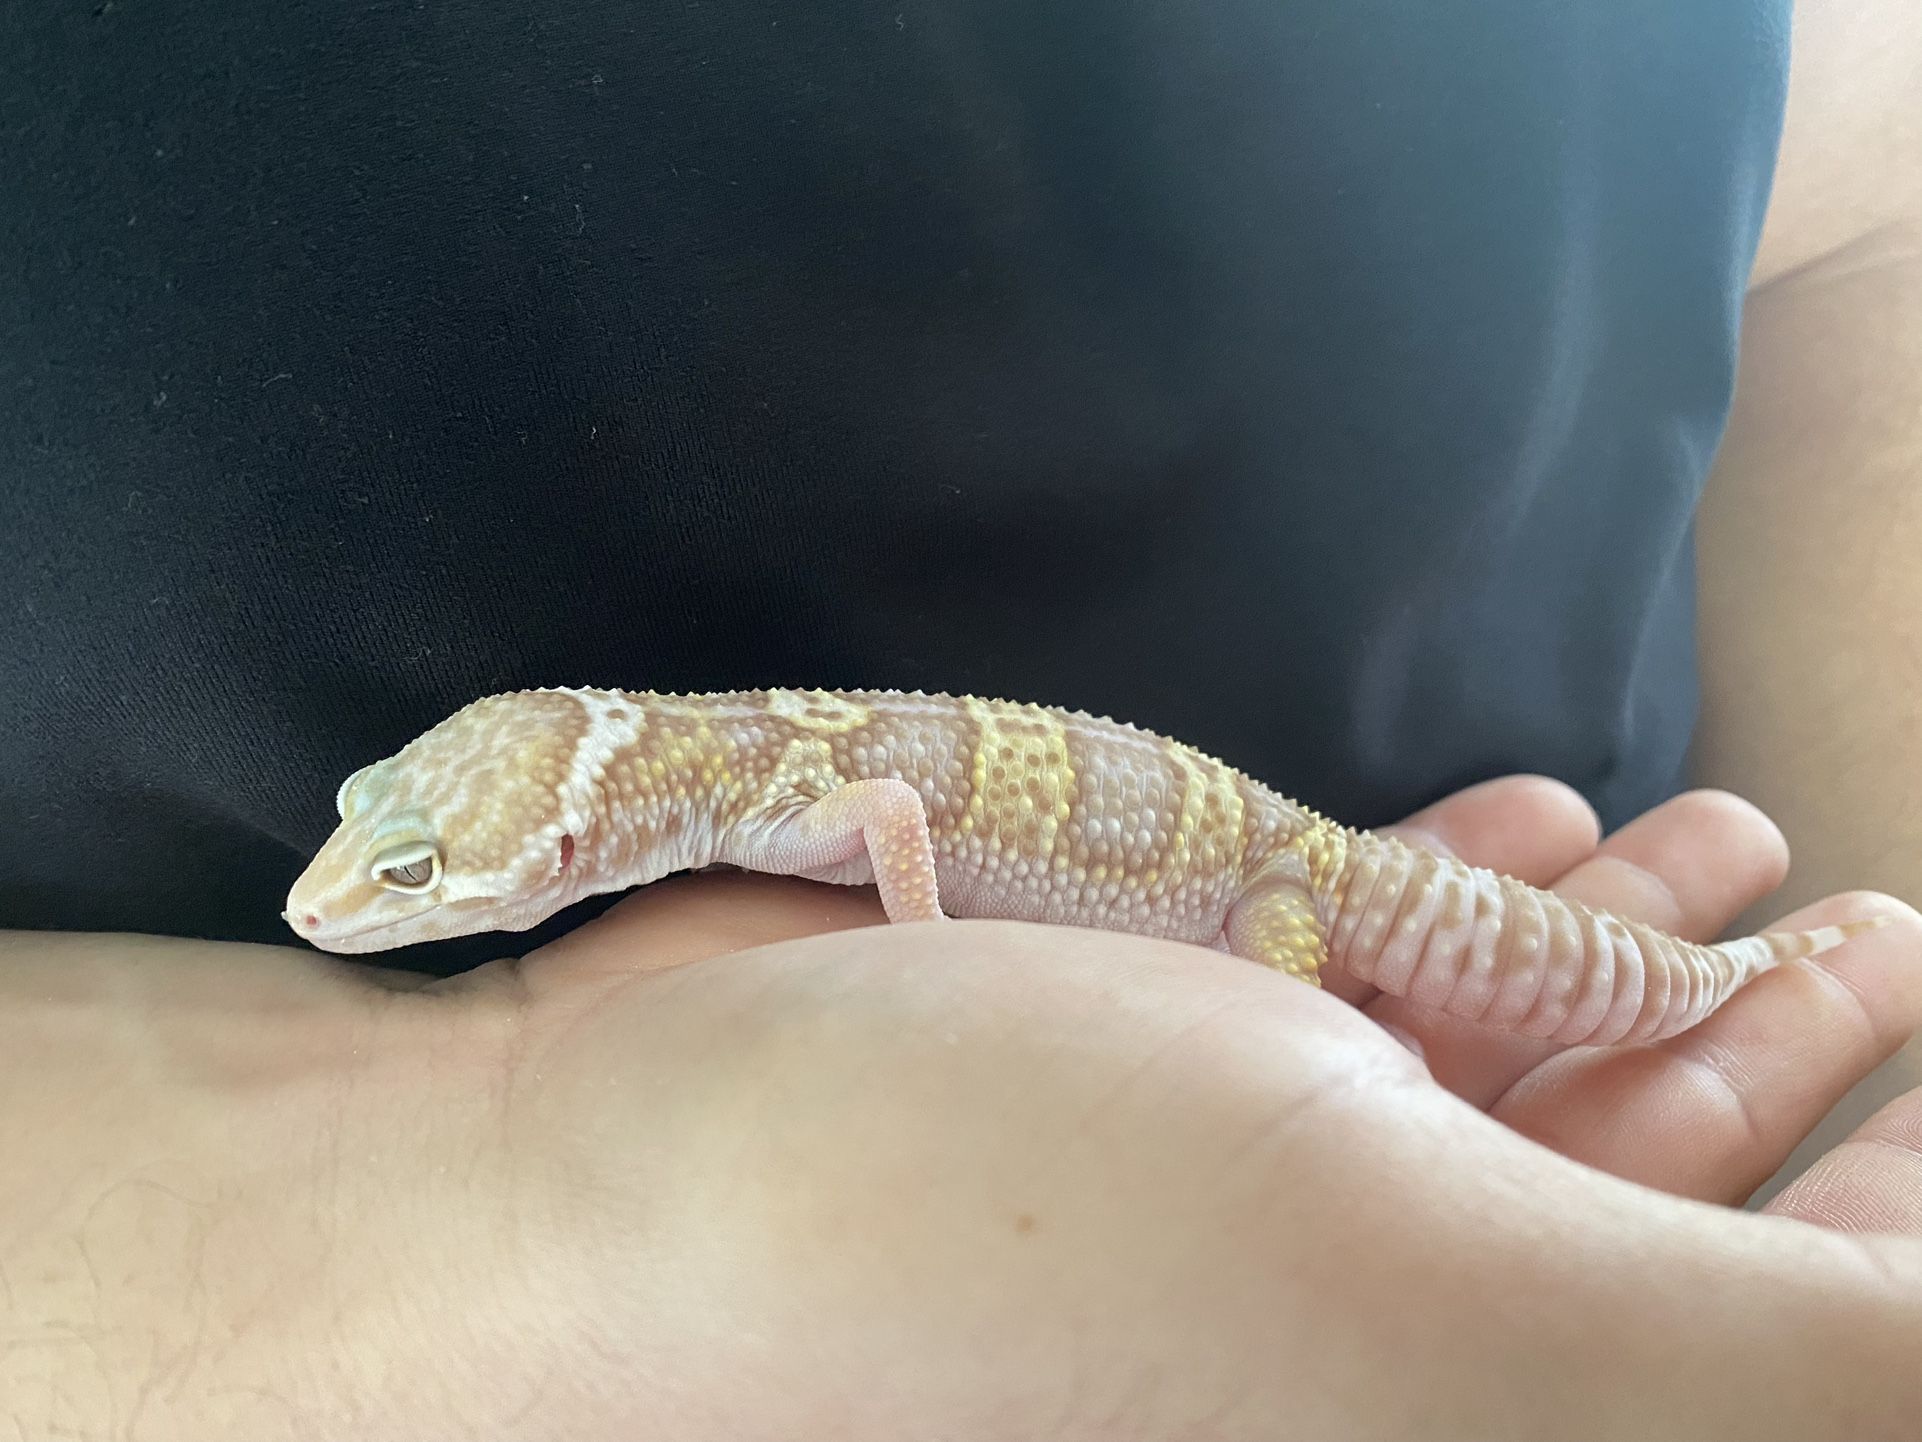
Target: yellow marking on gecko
{"points": [[1021, 780], [822, 711]]}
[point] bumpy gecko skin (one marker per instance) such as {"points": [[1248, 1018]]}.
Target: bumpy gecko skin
{"points": [[521, 804]]}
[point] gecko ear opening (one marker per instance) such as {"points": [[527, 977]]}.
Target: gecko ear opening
{"points": [[340, 796], [412, 869]]}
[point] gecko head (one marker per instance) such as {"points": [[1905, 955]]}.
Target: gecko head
{"points": [[471, 827]]}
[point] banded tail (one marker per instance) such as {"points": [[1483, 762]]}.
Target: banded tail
{"points": [[1480, 945]]}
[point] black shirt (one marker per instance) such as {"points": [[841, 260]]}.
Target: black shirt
{"points": [[1328, 384]]}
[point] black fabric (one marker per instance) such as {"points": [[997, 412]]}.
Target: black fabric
{"points": [[1327, 384]]}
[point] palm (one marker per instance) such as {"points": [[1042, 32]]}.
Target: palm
{"points": [[951, 1093], [1710, 1114]]}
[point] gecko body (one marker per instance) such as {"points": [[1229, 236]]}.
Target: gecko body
{"points": [[521, 804]]}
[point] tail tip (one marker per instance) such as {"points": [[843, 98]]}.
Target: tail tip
{"points": [[1819, 939]]}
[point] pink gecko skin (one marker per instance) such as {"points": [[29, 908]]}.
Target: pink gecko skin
{"points": [[521, 804]]}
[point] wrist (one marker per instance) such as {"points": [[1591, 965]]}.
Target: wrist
{"points": [[202, 1220]]}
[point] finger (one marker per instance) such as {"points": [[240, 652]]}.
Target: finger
{"points": [[1531, 827], [1689, 867], [1872, 1182], [1714, 1112]]}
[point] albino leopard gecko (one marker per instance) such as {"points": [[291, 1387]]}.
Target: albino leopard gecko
{"points": [[521, 804]]}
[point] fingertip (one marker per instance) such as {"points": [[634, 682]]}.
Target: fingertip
{"points": [[1537, 796], [1527, 825], [1726, 814], [1550, 794]]}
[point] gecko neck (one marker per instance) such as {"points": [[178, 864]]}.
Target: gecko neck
{"points": [[663, 795]]}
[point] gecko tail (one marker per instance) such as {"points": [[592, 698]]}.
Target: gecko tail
{"points": [[1501, 953], [1788, 945], [1766, 950]]}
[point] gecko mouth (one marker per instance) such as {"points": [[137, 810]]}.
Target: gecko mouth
{"points": [[311, 929]]}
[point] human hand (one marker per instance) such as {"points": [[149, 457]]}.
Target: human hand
{"points": [[1714, 1112], [972, 1180]]}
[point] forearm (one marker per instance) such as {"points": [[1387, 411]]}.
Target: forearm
{"points": [[205, 1230], [1811, 592], [1810, 537], [1811, 572]]}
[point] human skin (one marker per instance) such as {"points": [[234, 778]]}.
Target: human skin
{"points": [[1810, 532], [733, 1161]]}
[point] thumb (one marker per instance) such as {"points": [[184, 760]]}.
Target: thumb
{"points": [[1872, 1182]]}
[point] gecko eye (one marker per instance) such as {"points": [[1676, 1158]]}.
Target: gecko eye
{"points": [[413, 869]]}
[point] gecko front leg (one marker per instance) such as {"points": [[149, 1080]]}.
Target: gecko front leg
{"points": [[883, 818]]}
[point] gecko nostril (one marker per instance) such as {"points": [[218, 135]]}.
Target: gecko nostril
{"points": [[310, 921]]}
